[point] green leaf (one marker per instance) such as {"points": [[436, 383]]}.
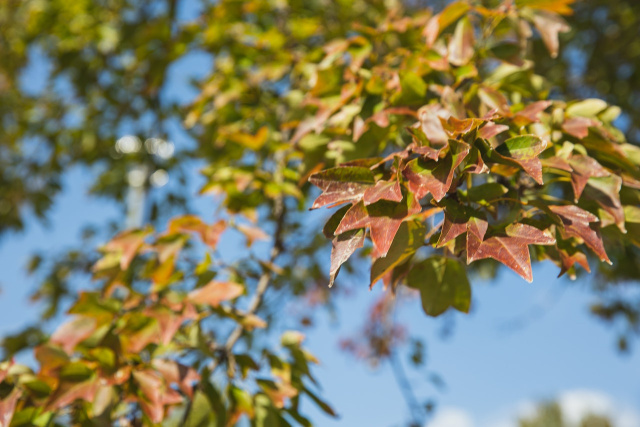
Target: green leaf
{"points": [[587, 108], [75, 372], [442, 283], [201, 414], [486, 192], [521, 151]]}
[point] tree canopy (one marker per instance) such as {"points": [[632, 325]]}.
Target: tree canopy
{"points": [[446, 151]]}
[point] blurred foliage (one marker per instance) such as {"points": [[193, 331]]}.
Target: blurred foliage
{"points": [[550, 414], [441, 131]]}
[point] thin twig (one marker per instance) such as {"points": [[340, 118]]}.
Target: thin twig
{"points": [[279, 213]]}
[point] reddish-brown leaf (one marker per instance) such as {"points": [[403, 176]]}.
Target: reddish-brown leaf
{"points": [[68, 392], [569, 256], [8, 407], [383, 219], [383, 190], [176, 373], [341, 185], [476, 229], [435, 177], [128, 243], [216, 292], [583, 168], [491, 129], [512, 250], [531, 113], [575, 223], [69, 334], [578, 126]]}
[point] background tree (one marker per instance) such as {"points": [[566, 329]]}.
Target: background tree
{"points": [[435, 131]]}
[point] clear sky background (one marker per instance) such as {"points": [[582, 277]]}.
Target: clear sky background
{"points": [[492, 372]]}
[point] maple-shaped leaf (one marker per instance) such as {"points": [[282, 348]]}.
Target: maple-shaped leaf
{"points": [[341, 185], [216, 292], [435, 177], [455, 221], [476, 230], [442, 283], [569, 256], [575, 223], [519, 151], [512, 249], [383, 190], [408, 239], [383, 219], [342, 247], [583, 168], [606, 192]]}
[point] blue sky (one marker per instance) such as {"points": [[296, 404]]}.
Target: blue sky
{"points": [[491, 372]]}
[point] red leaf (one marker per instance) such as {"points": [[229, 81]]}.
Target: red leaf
{"points": [[583, 168], [575, 223], [176, 373], [216, 292], [476, 229], [69, 334], [435, 177], [569, 256], [383, 190], [578, 126], [343, 246], [8, 407], [128, 243], [210, 234], [491, 129], [532, 111], [512, 250], [341, 185], [68, 392], [383, 218]]}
